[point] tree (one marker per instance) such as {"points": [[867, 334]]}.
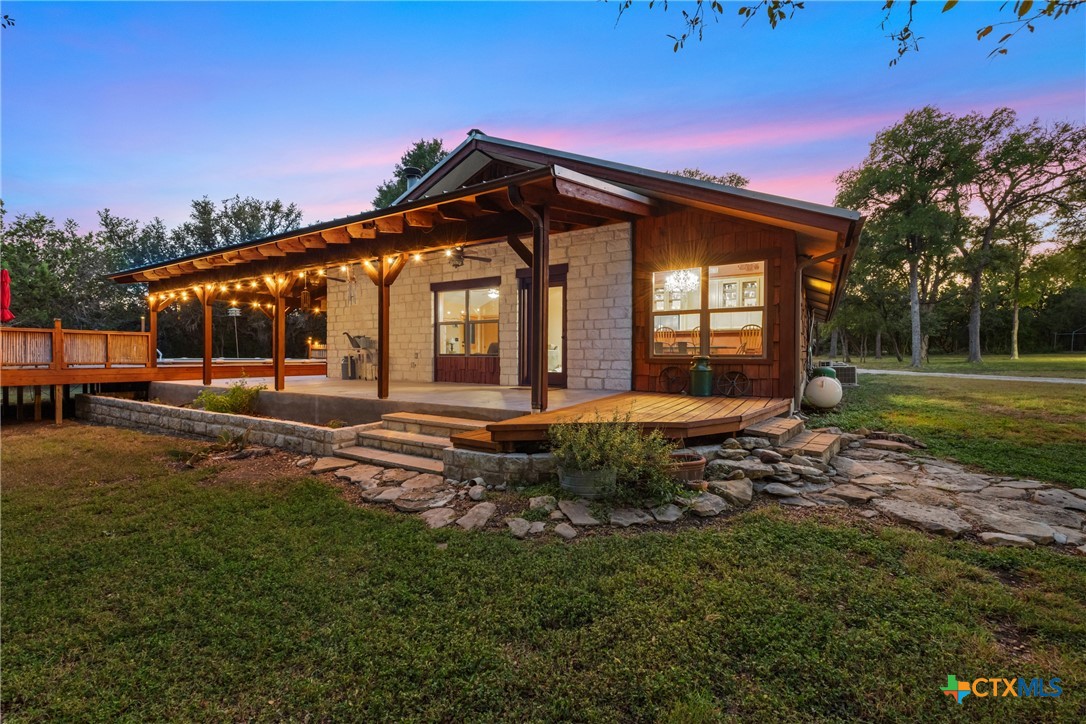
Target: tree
{"points": [[898, 19], [914, 171], [1021, 172], [1018, 240], [728, 179], [423, 155]]}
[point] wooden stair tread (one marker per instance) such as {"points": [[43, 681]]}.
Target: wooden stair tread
{"points": [[418, 418], [391, 459], [409, 438], [777, 429], [479, 440], [822, 445]]}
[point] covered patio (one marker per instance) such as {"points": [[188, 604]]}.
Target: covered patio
{"points": [[290, 271]]}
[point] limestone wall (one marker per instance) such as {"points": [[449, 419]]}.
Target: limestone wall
{"points": [[598, 300], [155, 418]]}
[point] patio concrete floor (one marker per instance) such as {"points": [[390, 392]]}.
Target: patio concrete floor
{"points": [[317, 399]]}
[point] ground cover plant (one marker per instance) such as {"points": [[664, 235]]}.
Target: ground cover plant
{"points": [[1033, 430], [1068, 364], [238, 399], [137, 588]]}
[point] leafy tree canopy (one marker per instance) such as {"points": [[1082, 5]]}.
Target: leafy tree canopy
{"points": [[1012, 19], [423, 155], [727, 179]]}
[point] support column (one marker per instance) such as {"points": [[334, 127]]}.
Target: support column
{"points": [[206, 297], [540, 311], [383, 273], [152, 338], [279, 287], [58, 403]]}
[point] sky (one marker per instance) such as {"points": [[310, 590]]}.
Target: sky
{"points": [[142, 107]]}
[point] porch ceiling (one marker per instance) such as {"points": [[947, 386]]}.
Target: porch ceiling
{"points": [[472, 215]]}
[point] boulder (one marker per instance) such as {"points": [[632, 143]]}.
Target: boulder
{"points": [[667, 513], [1050, 515], [1060, 498], [731, 444], [544, 502], [477, 517], [626, 517], [1003, 539], [360, 474], [769, 456], [1012, 525], [827, 500], [925, 517], [577, 512], [780, 490], [751, 443], [397, 475], [959, 483], [848, 467], [536, 528], [518, 527], [566, 530], [707, 505], [327, 465], [438, 517], [423, 482], [1070, 537], [477, 492], [752, 469], [737, 492], [739, 454], [414, 501]]}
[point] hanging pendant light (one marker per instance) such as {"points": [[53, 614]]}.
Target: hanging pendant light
{"points": [[305, 300]]}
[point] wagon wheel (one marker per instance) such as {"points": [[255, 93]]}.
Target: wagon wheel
{"points": [[732, 384], [672, 380]]}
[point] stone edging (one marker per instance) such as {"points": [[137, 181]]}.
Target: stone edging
{"points": [[151, 417]]}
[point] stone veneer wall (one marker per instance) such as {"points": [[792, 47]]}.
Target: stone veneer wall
{"points": [[499, 468], [598, 314], [151, 417]]}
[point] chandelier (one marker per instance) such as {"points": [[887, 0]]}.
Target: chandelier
{"points": [[681, 281], [493, 293]]}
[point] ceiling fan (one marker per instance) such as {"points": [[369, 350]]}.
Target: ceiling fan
{"points": [[457, 257]]}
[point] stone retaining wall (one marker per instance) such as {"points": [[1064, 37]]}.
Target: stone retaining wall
{"points": [[499, 468], [151, 417]]}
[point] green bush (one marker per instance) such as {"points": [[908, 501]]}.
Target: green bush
{"points": [[641, 461], [239, 399]]}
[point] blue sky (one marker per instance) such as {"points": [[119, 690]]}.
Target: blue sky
{"points": [[141, 107]]}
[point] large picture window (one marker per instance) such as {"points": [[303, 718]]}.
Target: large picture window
{"points": [[467, 322], [715, 310]]}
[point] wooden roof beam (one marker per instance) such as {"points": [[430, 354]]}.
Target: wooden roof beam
{"points": [[313, 241], [360, 231], [336, 236], [389, 224], [419, 219]]}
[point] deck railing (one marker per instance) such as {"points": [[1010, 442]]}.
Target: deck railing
{"points": [[60, 349]]}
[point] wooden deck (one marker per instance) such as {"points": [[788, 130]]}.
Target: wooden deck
{"points": [[676, 416]]}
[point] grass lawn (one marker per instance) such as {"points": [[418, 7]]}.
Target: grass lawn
{"points": [[136, 590], [1029, 430], [1068, 364]]}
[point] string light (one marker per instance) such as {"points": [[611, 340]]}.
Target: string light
{"points": [[418, 257]]}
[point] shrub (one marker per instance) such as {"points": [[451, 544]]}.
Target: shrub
{"points": [[238, 399], [641, 461], [335, 424]]}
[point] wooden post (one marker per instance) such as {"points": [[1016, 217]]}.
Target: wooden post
{"points": [[37, 403], [383, 274], [58, 403], [58, 346], [540, 316], [206, 297], [109, 338], [152, 337], [280, 343]]}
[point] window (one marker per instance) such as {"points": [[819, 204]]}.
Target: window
{"points": [[718, 310], [467, 321]]}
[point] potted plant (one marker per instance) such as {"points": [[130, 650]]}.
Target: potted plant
{"points": [[612, 458], [687, 466]]}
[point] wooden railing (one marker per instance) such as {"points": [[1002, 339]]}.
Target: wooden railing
{"points": [[59, 349]]}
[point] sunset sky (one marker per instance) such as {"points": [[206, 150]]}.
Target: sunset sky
{"points": [[141, 107]]}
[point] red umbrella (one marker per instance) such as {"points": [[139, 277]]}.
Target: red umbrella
{"points": [[5, 297]]}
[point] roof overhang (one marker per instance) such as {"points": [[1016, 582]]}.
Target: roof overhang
{"points": [[471, 215]]}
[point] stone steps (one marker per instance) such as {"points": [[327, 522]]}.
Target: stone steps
{"points": [[436, 425], [778, 430], [405, 443], [812, 444], [388, 459]]}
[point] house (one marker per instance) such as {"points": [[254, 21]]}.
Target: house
{"points": [[521, 266]]}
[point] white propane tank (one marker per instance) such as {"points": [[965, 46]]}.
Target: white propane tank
{"points": [[823, 392]]}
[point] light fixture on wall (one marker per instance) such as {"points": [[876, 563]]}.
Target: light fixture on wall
{"points": [[682, 281]]}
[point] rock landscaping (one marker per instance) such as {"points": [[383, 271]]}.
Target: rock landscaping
{"points": [[875, 474]]}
